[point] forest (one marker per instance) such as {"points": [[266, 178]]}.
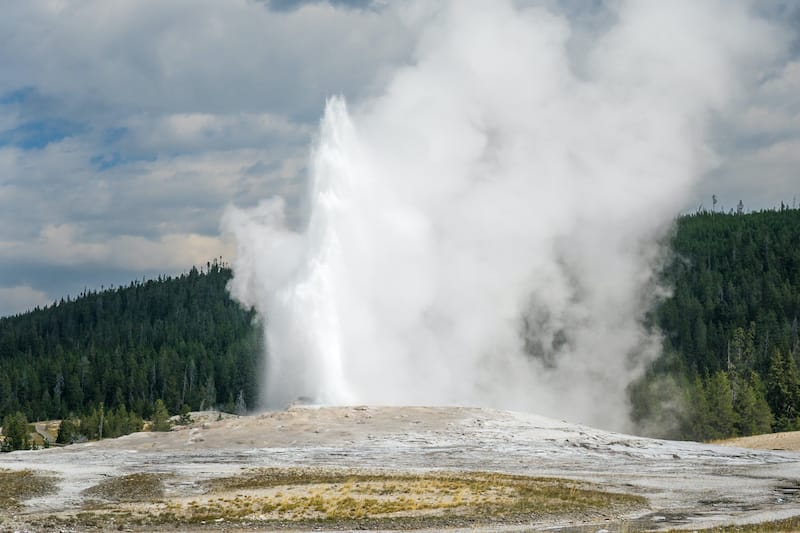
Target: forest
{"points": [[729, 365], [730, 329], [116, 352]]}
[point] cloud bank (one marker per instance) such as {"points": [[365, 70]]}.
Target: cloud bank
{"points": [[484, 232], [137, 121], [129, 127]]}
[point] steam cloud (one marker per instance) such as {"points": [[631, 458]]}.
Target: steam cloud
{"points": [[485, 232]]}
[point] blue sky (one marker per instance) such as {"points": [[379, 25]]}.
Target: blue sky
{"points": [[127, 127]]}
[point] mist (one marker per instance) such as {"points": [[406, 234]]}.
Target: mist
{"points": [[486, 231]]}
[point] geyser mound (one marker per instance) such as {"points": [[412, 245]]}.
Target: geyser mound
{"points": [[484, 233]]}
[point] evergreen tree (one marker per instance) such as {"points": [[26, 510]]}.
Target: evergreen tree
{"points": [[161, 420], [753, 412], [68, 430], [722, 419], [782, 391], [697, 425], [185, 415], [16, 432]]}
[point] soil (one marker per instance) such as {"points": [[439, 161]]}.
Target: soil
{"points": [[657, 485]]}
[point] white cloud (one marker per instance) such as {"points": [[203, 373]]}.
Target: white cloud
{"points": [[192, 132], [761, 178], [760, 145], [774, 108], [185, 56], [173, 109], [170, 251], [786, 84], [22, 298], [182, 106], [68, 245], [763, 119]]}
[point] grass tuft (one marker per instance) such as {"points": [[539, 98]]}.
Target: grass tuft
{"points": [[130, 488], [16, 486]]}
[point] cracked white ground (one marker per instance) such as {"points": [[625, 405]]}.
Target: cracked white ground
{"points": [[688, 485]]}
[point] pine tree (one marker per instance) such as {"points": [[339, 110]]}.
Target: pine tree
{"points": [[16, 432], [696, 426], [782, 391], [161, 420], [753, 412], [68, 430], [722, 417]]}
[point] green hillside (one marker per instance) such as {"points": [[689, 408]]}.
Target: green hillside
{"points": [[178, 339], [730, 328]]}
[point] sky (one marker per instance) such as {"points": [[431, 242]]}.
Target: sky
{"points": [[127, 128]]}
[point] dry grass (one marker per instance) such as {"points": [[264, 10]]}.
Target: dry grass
{"points": [[788, 525], [331, 495], [789, 440], [130, 488], [16, 486], [344, 499]]}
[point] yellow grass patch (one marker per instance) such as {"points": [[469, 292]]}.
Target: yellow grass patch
{"points": [[316, 496]]}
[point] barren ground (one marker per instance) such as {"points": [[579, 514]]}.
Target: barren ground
{"points": [[786, 441], [331, 468]]}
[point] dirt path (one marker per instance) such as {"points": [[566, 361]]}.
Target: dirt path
{"points": [[687, 485], [42, 431]]}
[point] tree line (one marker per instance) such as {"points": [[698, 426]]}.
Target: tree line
{"points": [[118, 351], [730, 329]]}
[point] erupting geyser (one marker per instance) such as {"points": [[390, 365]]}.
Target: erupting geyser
{"points": [[485, 232]]}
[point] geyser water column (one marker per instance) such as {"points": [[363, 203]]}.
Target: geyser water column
{"points": [[485, 231]]}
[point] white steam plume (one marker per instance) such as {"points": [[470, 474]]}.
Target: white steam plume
{"points": [[485, 232]]}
